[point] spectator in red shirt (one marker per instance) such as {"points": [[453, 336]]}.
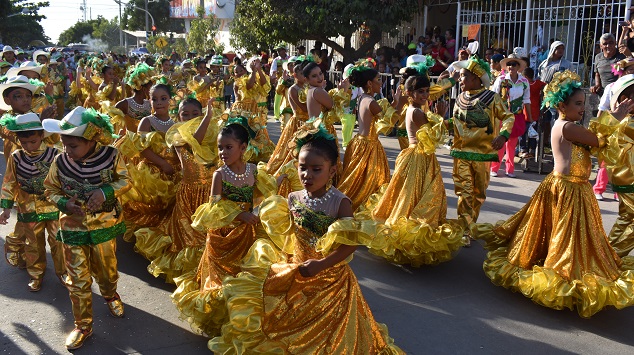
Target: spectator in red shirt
{"points": [[527, 145], [440, 54]]}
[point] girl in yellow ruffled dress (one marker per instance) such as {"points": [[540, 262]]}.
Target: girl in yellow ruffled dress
{"points": [[155, 177], [555, 250], [436, 91], [365, 166], [414, 204], [111, 90], [283, 154], [57, 77], [127, 113], [231, 228], [174, 246], [312, 302], [166, 74], [90, 86], [201, 82], [251, 93], [76, 95]]}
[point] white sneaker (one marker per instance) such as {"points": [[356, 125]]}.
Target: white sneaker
{"points": [[511, 175], [599, 197], [494, 174]]}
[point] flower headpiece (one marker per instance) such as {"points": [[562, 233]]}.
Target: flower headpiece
{"points": [[618, 68], [423, 67], [162, 79], [97, 65], [181, 94], [364, 64], [198, 60], [241, 118], [311, 130], [159, 62], [140, 75], [560, 88]]}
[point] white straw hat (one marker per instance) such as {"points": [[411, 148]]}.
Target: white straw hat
{"points": [[28, 65], [19, 81]]}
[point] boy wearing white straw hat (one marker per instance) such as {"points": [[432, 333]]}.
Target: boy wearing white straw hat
{"points": [[86, 182], [16, 98], [23, 186]]}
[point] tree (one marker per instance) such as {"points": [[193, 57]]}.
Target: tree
{"points": [[20, 30], [264, 23], [201, 36], [178, 45], [134, 19], [107, 31], [76, 32]]}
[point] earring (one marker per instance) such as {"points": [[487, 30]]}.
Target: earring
{"points": [[329, 184]]}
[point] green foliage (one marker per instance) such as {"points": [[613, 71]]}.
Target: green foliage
{"points": [[76, 32], [202, 33], [20, 30], [264, 23], [178, 45], [134, 19], [108, 32]]}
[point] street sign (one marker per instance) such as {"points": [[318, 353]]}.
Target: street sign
{"points": [[161, 42]]}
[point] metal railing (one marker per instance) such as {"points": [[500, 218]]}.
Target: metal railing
{"points": [[533, 24]]}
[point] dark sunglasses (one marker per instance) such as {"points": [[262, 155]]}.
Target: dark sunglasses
{"points": [[512, 64]]}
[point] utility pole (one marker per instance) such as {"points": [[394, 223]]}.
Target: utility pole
{"points": [[83, 9], [120, 28], [147, 27]]}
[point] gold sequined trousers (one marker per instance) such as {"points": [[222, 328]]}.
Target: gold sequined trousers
{"points": [[14, 242], [35, 248], [471, 179], [622, 234], [83, 262]]}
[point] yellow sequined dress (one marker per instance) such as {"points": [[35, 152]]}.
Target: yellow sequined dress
{"points": [[282, 153], [90, 94], [554, 250], [414, 204], [365, 166], [174, 247], [254, 101], [130, 121], [199, 296], [202, 94], [153, 192], [275, 310]]}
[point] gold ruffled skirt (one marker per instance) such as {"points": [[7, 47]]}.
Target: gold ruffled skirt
{"points": [[151, 197], [365, 169], [555, 251], [174, 247], [275, 310], [199, 294], [414, 207], [282, 154]]}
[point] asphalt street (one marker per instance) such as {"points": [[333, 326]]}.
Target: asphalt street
{"points": [[451, 308]]}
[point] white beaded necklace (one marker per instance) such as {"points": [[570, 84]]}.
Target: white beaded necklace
{"points": [[239, 177], [137, 106], [169, 121], [317, 201]]}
